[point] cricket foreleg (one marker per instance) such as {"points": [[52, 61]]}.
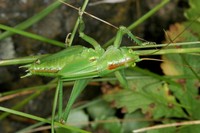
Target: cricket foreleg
{"points": [[88, 39], [77, 89], [123, 30], [122, 79]]}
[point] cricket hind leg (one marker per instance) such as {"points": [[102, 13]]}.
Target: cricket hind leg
{"points": [[77, 89]]}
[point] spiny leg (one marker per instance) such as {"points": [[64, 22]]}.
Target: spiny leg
{"points": [[77, 89], [120, 33]]}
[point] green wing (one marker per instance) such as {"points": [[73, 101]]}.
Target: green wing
{"points": [[82, 65], [50, 65], [64, 53]]}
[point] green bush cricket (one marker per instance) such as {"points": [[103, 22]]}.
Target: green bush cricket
{"points": [[82, 64]]}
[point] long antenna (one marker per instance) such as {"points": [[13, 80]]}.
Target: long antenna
{"points": [[90, 15], [97, 18]]}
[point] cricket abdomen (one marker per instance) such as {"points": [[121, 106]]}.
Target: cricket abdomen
{"points": [[72, 62], [50, 72], [48, 68]]}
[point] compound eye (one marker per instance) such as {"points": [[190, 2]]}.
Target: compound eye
{"points": [[130, 51], [133, 65], [92, 59], [37, 61]]}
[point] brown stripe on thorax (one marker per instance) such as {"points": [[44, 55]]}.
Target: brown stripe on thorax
{"points": [[118, 64]]}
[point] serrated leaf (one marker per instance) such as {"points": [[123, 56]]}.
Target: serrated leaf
{"points": [[186, 65], [189, 100], [193, 12], [152, 97], [128, 99]]}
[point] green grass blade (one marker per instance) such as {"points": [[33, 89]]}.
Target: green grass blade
{"points": [[77, 23], [173, 45], [169, 51], [31, 35], [29, 59], [19, 105], [18, 61], [151, 74], [41, 119], [27, 23], [90, 103]]}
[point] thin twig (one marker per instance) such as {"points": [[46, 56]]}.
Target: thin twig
{"points": [[16, 95], [90, 15], [42, 128], [166, 126]]}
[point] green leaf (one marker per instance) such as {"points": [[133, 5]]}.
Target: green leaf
{"points": [[101, 110], [189, 129], [163, 130], [136, 120], [150, 95], [114, 126], [186, 65], [78, 116], [193, 12]]}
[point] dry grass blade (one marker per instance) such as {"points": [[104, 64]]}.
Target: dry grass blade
{"points": [[90, 15], [167, 126]]}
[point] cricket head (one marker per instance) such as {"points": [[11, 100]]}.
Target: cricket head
{"points": [[130, 56]]}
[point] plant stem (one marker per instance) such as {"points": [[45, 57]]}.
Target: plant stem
{"points": [[29, 22], [31, 35], [169, 51], [77, 23], [41, 119]]}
